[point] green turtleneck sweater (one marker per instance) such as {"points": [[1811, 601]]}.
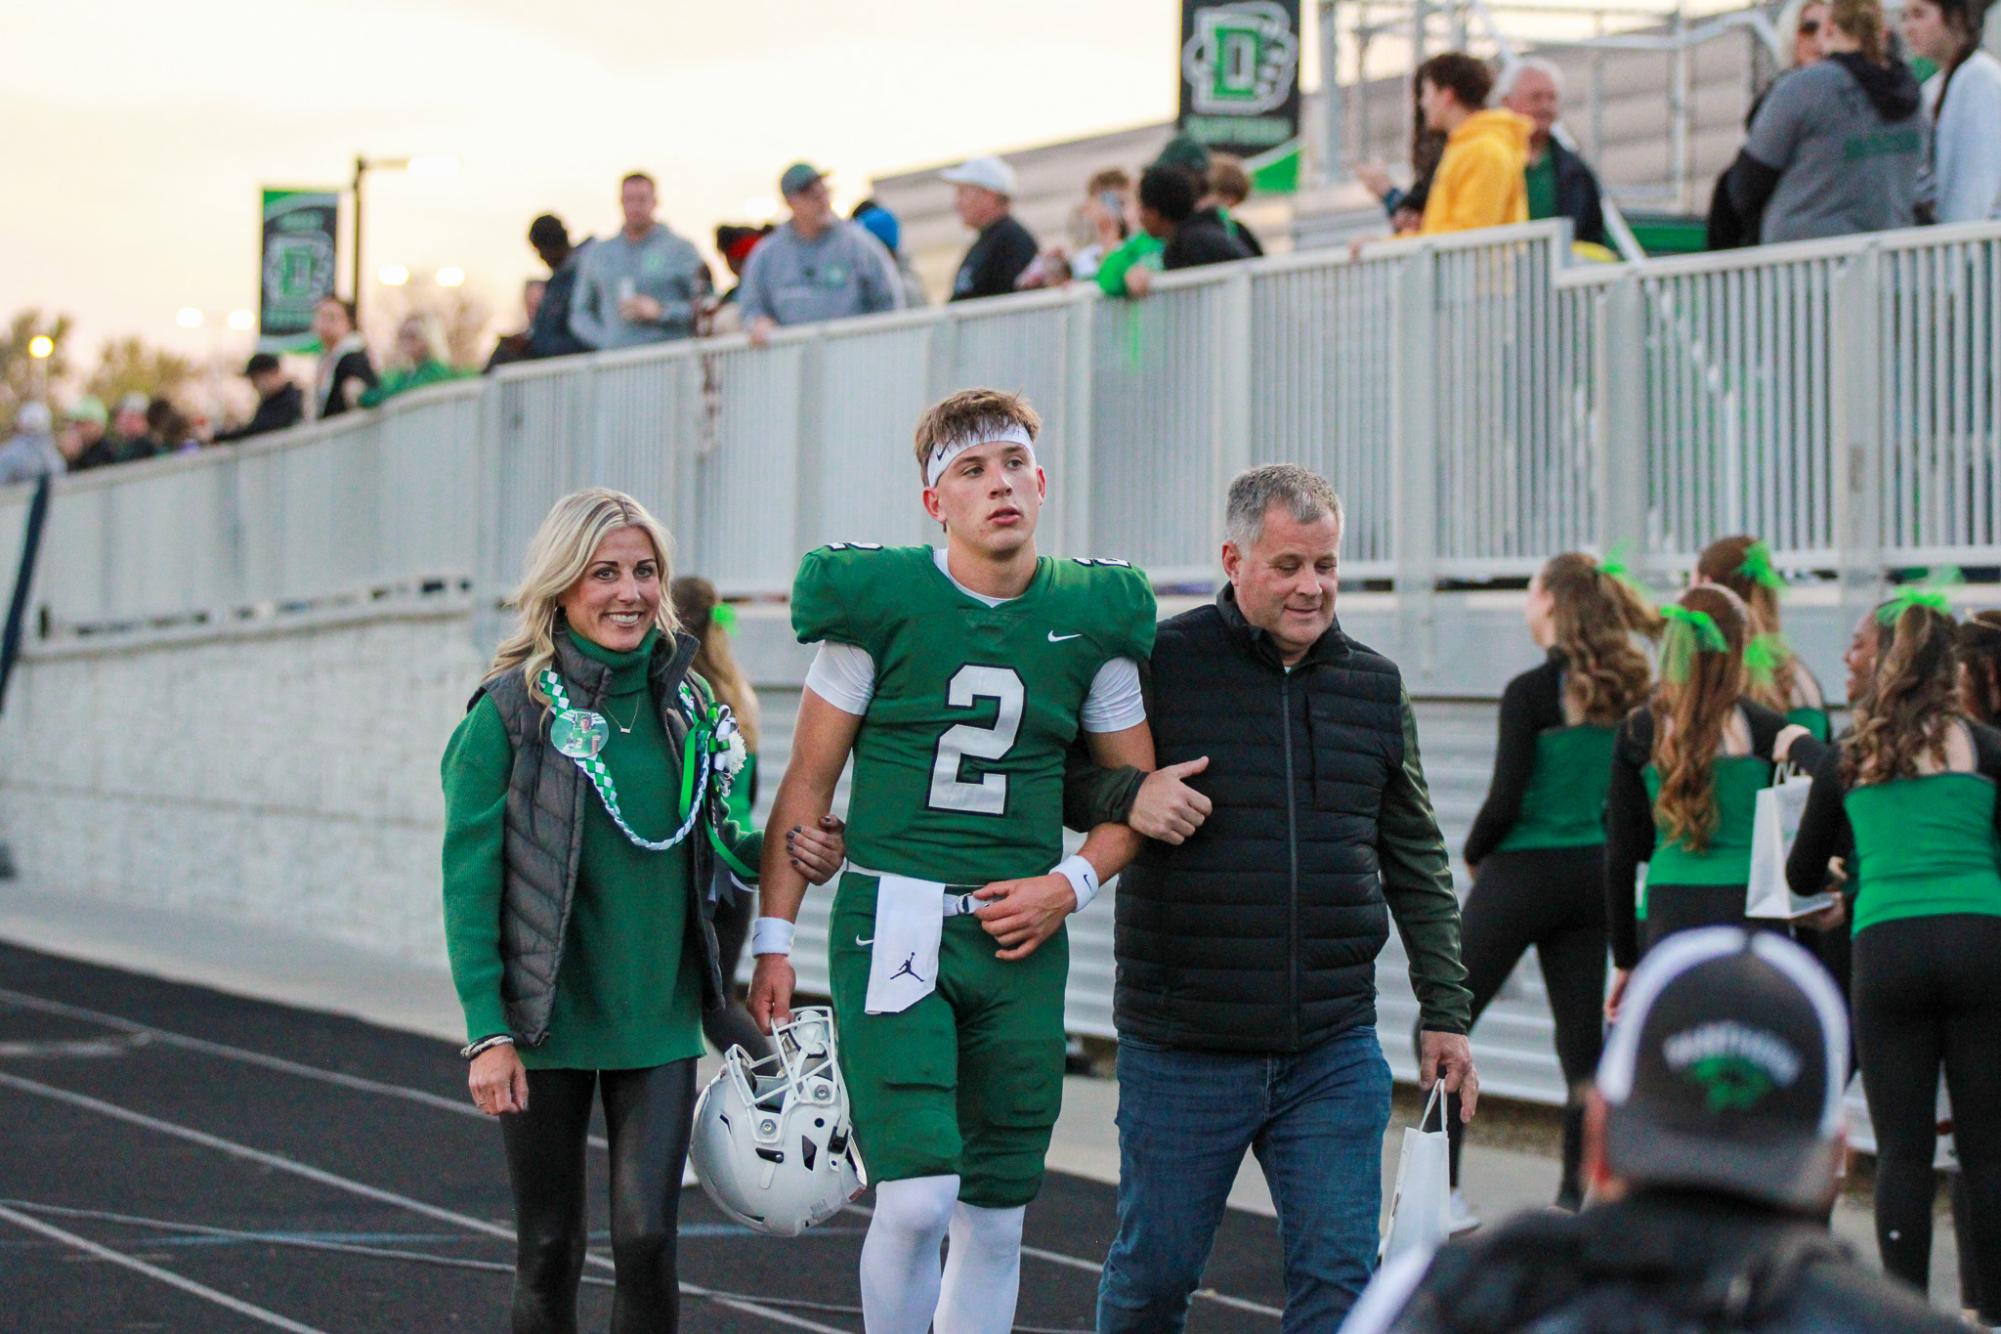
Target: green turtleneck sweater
{"points": [[624, 1000]]}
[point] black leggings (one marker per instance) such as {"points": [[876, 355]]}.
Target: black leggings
{"points": [[1553, 899], [1926, 995], [648, 1114], [732, 1025], [1672, 908]]}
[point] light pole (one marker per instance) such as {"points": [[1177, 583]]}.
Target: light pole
{"points": [[431, 164]]}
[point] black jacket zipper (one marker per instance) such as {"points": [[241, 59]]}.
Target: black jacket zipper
{"points": [[1292, 865]]}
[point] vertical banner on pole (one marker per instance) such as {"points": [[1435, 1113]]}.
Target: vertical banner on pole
{"points": [[295, 266], [1240, 84]]}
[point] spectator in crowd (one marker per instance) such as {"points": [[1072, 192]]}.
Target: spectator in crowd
{"points": [[421, 358], [734, 242], [130, 423], [1714, 1144], [1837, 146], [1129, 270], [1963, 105], [549, 332], [1189, 238], [1108, 199], [1226, 186], [280, 403], [1405, 207], [84, 434], [1246, 1008], [1560, 185], [884, 227], [818, 266], [514, 346], [345, 373], [1728, 229], [166, 430], [1481, 179], [640, 286], [984, 200], [31, 451]]}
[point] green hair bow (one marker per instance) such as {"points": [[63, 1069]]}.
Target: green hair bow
{"points": [[1689, 632], [1758, 566], [1933, 592], [1614, 565], [724, 615], [1764, 655]]}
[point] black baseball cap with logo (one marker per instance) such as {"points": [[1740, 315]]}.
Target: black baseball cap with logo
{"points": [[1726, 1069]]}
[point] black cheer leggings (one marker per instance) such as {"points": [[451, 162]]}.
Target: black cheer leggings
{"points": [[1927, 995], [648, 1114], [1553, 899]]}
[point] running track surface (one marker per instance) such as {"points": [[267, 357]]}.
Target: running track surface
{"points": [[164, 1146]]}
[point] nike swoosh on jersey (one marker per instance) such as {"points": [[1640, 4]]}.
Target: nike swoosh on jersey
{"points": [[1055, 638], [864, 943]]}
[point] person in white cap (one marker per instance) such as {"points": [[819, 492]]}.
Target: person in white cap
{"points": [[1004, 248], [31, 452]]}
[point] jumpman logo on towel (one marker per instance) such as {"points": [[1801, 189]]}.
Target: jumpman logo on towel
{"points": [[907, 969]]}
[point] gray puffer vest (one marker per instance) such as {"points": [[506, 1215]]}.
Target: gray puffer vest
{"points": [[544, 842]]}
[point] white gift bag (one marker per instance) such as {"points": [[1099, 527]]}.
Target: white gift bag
{"points": [[1775, 824], [1421, 1205]]}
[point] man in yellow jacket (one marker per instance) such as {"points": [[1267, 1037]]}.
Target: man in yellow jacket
{"points": [[1479, 181]]}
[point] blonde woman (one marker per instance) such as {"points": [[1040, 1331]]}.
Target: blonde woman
{"points": [[421, 357], [578, 858]]}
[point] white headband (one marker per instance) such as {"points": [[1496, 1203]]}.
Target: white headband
{"points": [[943, 454]]}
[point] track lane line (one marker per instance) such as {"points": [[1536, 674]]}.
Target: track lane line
{"points": [[334, 1180], [154, 1272], [225, 1051]]}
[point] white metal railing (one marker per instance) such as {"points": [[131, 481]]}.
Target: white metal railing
{"points": [[1479, 405]]}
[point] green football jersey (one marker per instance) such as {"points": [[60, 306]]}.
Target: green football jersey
{"points": [[958, 764]]}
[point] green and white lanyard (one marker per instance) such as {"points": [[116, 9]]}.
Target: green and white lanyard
{"points": [[714, 746]]}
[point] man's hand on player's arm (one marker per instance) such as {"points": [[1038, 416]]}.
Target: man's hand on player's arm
{"points": [[821, 741], [1021, 914]]}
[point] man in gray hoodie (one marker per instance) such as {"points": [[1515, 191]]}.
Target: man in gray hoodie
{"points": [[817, 266], [641, 285]]}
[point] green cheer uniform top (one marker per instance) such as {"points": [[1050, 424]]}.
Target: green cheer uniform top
{"points": [[624, 998], [1550, 776], [1924, 846], [958, 763], [1635, 835]]}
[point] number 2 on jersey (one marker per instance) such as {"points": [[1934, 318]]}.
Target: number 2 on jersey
{"points": [[960, 742]]}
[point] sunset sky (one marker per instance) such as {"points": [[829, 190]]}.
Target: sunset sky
{"points": [[141, 134]]}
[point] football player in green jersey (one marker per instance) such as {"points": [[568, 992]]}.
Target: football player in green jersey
{"points": [[957, 680]]}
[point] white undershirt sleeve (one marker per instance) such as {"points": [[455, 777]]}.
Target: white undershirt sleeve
{"points": [[844, 676], [1115, 702]]}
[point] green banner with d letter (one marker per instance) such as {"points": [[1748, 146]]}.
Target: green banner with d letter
{"points": [[296, 266], [1240, 84]]}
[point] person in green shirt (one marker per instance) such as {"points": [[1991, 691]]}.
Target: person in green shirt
{"points": [[1914, 787], [586, 819], [421, 358], [1779, 680]]}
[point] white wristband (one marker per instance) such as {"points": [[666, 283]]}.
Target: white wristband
{"points": [[771, 935], [1083, 879]]}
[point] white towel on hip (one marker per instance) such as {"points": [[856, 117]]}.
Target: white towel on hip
{"points": [[909, 921]]}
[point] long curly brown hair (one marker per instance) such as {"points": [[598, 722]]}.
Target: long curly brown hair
{"points": [[1596, 616], [1722, 562], [1980, 655], [1911, 703], [1689, 716]]}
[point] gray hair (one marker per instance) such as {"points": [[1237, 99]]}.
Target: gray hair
{"points": [[1306, 495], [1511, 75]]}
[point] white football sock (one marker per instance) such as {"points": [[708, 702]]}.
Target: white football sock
{"points": [[982, 1271], [900, 1268]]}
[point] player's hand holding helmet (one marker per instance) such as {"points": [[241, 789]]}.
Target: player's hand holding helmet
{"points": [[773, 1146]]}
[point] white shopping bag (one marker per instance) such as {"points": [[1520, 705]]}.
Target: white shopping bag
{"points": [[1775, 825], [1421, 1205]]}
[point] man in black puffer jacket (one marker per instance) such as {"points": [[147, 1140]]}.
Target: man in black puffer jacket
{"points": [[1246, 948], [1712, 1142]]}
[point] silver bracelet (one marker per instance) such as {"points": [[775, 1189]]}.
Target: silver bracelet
{"points": [[472, 1049]]}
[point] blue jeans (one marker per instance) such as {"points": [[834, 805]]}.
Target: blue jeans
{"points": [[1316, 1123]]}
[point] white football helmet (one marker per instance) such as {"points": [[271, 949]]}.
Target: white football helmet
{"points": [[773, 1146]]}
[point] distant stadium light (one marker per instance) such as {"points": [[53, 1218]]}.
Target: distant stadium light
{"points": [[451, 276], [188, 317], [242, 321], [392, 275], [41, 347]]}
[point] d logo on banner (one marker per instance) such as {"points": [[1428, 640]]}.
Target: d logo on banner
{"points": [[296, 266], [1240, 84]]}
